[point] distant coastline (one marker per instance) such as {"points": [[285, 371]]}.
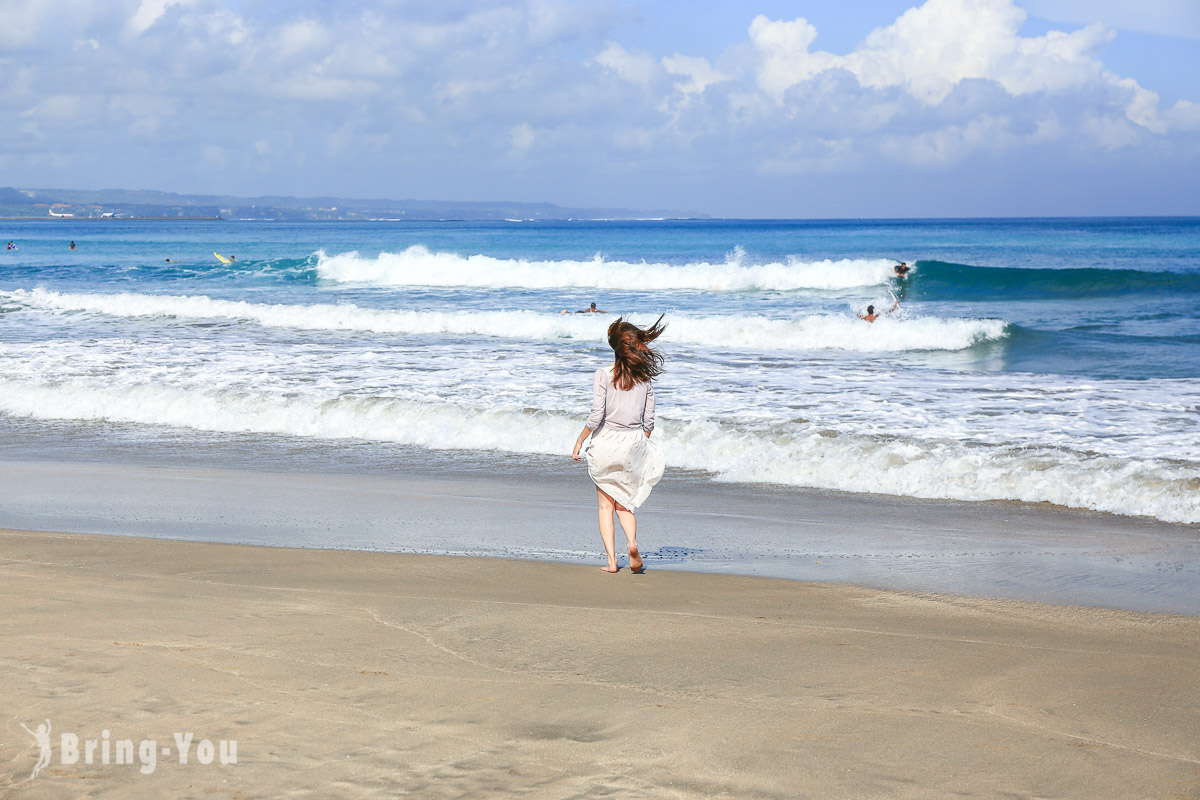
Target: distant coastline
{"points": [[116, 204], [113, 219]]}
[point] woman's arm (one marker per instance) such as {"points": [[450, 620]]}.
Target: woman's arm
{"points": [[648, 414], [599, 399], [579, 442], [599, 395]]}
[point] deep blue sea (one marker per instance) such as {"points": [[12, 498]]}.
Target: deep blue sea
{"points": [[1038, 360]]}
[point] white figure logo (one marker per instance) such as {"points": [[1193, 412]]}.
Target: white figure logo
{"points": [[42, 737]]}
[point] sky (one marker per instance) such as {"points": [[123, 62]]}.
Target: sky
{"points": [[754, 108]]}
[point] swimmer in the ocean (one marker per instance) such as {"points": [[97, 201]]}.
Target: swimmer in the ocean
{"points": [[901, 269], [871, 316], [589, 310]]}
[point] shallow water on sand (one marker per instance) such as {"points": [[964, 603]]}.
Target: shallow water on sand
{"points": [[259, 490]]}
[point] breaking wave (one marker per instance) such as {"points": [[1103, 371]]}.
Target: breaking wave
{"points": [[770, 453], [813, 332], [419, 266]]}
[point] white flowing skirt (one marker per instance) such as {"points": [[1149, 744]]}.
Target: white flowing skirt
{"points": [[625, 465]]}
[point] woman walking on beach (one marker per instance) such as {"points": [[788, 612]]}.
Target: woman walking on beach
{"points": [[622, 461]]}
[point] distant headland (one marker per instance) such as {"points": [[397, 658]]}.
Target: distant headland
{"points": [[117, 204]]}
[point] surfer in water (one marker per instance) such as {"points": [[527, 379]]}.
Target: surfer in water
{"points": [[871, 316], [589, 310], [902, 271]]}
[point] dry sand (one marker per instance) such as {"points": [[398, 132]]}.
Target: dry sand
{"points": [[346, 675]]}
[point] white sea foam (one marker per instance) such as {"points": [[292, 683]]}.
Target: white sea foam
{"points": [[783, 454], [941, 469], [419, 266], [813, 332]]}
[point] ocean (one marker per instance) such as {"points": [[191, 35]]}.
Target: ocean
{"points": [[1032, 360]]}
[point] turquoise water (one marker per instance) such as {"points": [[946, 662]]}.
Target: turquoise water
{"points": [[1033, 360]]}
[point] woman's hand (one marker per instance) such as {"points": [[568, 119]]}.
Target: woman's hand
{"points": [[579, 440]]}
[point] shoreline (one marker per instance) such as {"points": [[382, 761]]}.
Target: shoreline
{"points": [[1000, 550], [377, 674]]}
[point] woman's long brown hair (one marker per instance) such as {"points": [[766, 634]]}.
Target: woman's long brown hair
{"points": [[636, 361]]}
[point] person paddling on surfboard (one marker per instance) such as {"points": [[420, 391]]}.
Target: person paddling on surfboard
{"points": [[589, 310]]}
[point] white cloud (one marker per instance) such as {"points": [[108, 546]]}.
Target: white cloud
{"points": [[215, 155], [1178, 18], [457, 94], [150, 12], [522, 138], [815, 157], [785, 58], [699, 72], [931, 49], [301, 36], [950, 144], [1111, 133], [638, 68], [1143, 108], [59, 108], [552, 21], [1184, 116], [633, 138]]}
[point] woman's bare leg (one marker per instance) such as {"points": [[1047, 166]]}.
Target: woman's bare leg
{"points": [[607, 532], [629, 525]]}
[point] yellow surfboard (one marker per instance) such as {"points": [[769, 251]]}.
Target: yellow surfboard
{"points": [[222, 258]]}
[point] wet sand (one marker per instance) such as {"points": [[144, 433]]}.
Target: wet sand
{"points": [[351, 674], [547, 512]]}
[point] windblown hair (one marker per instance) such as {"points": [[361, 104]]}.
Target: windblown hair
{"points": [[636, 361]]}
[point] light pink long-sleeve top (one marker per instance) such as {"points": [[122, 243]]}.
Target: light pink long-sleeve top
{"points": [[620, 410]]}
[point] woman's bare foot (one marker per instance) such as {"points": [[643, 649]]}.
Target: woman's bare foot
{"points": [[609, 569], [635, 561]]}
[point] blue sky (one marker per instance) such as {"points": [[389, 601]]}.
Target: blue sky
{"points": [[761, 108]]}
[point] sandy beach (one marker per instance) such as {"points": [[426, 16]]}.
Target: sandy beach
{"points": [[350, 674], [315, 415]]}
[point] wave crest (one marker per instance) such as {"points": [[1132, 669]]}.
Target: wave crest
{"points": [[419, 266], [813, 332]]}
